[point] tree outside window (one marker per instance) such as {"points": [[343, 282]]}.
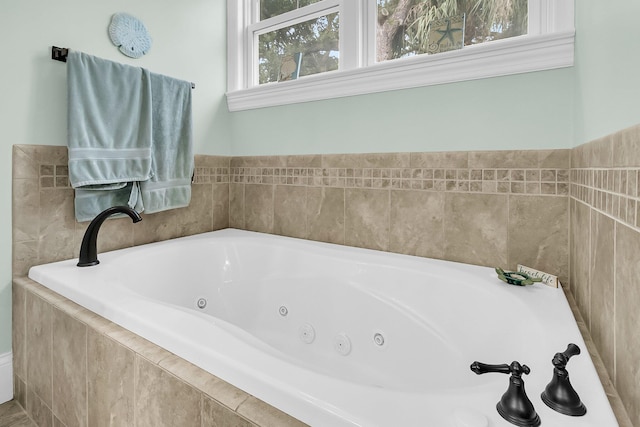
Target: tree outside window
{"points": [[403, 25]]}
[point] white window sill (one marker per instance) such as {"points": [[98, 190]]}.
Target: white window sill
{"points": [[498, 58]]}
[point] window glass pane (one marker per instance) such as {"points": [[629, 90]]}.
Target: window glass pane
{"points": [[413, 27], [307, 48], [271, 8]]}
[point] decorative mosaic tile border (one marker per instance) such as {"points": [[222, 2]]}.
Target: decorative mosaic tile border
{"points": [[517, 181], [204, 175], [54, 176], [57, 176], [614, 192]]}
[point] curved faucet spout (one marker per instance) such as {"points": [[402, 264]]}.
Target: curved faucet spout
{"points": [[88, 249]]}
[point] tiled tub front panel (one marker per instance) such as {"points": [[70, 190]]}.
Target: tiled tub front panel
{"points": [[605, 254], [73, 368], [485, 208]]}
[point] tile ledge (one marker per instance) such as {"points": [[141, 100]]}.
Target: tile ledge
{"points": [[612, 394]]}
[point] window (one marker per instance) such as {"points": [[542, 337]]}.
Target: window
{"points": [[288, 51]]}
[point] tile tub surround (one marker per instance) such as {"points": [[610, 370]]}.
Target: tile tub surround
{"points": [[605, 260], [476, 207], [79, 369], [483, 208], [44, 225]]}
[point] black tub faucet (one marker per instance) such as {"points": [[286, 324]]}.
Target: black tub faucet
{"points": [[88, 249]]}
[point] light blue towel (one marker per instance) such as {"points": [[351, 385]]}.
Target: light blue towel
{"points": [[172, 165], [109, 132]]}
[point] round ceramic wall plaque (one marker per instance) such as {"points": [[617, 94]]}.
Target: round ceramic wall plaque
{"points": [[130, 35]]}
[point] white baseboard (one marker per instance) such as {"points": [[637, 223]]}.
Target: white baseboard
{"points": [[6, 377]]}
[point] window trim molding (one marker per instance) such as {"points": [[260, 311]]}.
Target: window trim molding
{"points": [[551, 49]]}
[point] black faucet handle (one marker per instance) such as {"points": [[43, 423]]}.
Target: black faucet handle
{"points": [[560, 360], [514, 406], [515, 368], [559, 394]]}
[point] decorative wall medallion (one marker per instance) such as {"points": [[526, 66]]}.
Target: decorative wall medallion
{"points": [[130, 35]]}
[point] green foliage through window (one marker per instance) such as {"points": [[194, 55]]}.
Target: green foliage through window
{"points": [[403, 25], [316, 39], [271, 8]]}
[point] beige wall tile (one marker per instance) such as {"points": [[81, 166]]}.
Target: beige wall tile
{"points": [[325, 214], [554, 159], [220, 207], [201, 160], [69, 369], [25, 210], [579, 156], [216, 415], [258, 201], [475, 228], [24, 255], [601, 152], [236, 206], [25, 164], [19, 391], [155, 228], [627, 319], [626, 147], [258, 161], [19, 330], [38, 410], [304, 161], [367, 218], [198, 216], [417, 223], [266, 416], [580, 257], [57, 226], [451, 159], [289, 211], [602, 289], [115, 233], [110, 369], [214, 387], [538, 234], [44, 219], [504, 159], [366, 160], [38, 347], [137, 344], [162, 400]]}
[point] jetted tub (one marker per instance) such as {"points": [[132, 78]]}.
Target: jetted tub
{"points": [[339, 336]]}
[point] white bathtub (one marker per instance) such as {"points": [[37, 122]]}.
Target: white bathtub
{"points": [[339, 336]]}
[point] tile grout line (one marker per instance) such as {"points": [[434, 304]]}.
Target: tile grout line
{"points": [[615, 284]]}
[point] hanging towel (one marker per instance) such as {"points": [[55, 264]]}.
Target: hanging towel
{"points": [[172, 164], [109, 132]]}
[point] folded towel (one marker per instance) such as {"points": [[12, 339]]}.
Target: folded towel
{"points": [[130, 140], [88, 203], [172, 146], [109, 131], [109, 121]]}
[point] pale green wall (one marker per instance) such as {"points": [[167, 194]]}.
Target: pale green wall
{"points": [[607, 70], [189, 42], [523, 111]]}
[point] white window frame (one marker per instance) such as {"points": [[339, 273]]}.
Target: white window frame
{"points": [[549, 44]]}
